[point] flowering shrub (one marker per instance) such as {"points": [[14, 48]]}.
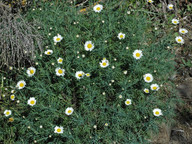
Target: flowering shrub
{"points": [[103, 78]]}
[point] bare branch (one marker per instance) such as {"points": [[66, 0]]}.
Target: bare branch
{"points": [[18, 39]]}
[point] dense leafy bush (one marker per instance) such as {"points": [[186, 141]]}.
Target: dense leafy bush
{"points": [[100, 113]]}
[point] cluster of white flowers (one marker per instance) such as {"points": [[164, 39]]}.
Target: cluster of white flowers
{"points": [[175, 21], [31, 72], [179, 39], [148, 78], [89, 46], [59, 129]]}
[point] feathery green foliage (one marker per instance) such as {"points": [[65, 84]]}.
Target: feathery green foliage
{"points": [[95, 99]]}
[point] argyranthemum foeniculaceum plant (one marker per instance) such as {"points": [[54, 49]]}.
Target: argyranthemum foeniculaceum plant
{"points": [[101, 79]]}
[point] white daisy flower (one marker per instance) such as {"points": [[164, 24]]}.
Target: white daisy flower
{"points": [[49, 52], [79, 74], [175, 21], [69, 111], [98, 8], [125, 72], [146, 90], [12, 91], [128, 102], [7, 113], [120, 96], [58, 130], [59, 71], [31, 101], [155, 87], [60, 60], [148, 77], [179, 39], [89, 46], [183, 31], [12, 97], [157, 112], [88, 74], [170, 6], [104, 63], [137, 54], [57, 38], [31, 71], [150, 1], [121, 35], [21, 84], [106, 124]]}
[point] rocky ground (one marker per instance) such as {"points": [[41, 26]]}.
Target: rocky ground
{"points": [[180, 132]]}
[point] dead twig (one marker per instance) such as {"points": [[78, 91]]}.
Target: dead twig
{"points": [[82, 3], [19, 40], [164, 9]]}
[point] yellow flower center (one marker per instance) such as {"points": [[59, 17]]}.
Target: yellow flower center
{"points": [[154, 87], [179, 40], [175, 22], [32, 102], [60, 60], [60, 71], [98, 8], [12, 96], [104, 64], [21, 84], [148, 78], [121, 36], [80, 75], [157, 113], [182, 31], [88, 74], [31, 71], [69, 111], [58, 39], [48, 52], [11, 119], [147, 91], [170, 7], [7, 113], [138, 54], [89, 46], [127, 102], [58, 130], [150, 1]]}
